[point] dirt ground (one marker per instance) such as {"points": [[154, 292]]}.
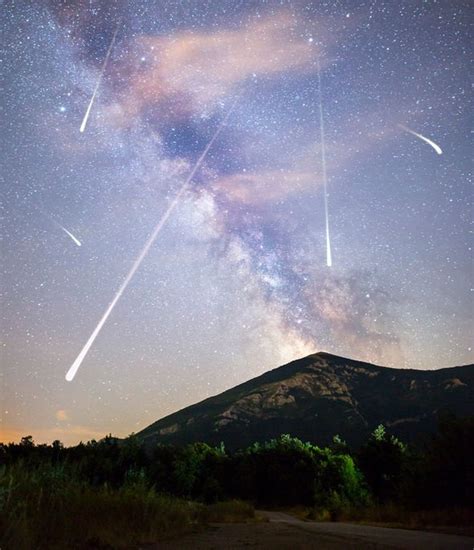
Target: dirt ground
{"points": [[281, 531]]}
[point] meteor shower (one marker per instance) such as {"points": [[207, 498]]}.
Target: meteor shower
{"points": [[236, 290]]}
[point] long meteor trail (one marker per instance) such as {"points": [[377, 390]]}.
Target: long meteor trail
{"points": [[435, 146], [151, 239], [323, 162], [101, 74]]}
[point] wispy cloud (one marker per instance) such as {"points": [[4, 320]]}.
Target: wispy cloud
{"points": [[193, 71], [254, 188]]}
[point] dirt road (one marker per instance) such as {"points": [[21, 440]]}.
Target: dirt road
{"points": [[284, 532]]}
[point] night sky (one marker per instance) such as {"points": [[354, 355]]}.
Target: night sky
{"points": [[236, 282]]}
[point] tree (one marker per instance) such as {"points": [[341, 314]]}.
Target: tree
{"points": [[27, 441], [382, 460]]}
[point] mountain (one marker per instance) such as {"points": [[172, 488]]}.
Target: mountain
{"points": [[317, 397]]}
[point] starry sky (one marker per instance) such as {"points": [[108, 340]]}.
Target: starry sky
{"points": [[236, 282]]}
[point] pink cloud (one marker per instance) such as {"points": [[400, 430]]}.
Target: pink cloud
{"points": [[191, 71], [255, 188]]}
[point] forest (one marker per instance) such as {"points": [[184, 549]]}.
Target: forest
{"points": [[115, 493]]}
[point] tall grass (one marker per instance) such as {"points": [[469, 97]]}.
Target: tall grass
{"points": [[47, 508]]}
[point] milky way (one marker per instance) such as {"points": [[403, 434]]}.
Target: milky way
{"points": [[237, 283]]}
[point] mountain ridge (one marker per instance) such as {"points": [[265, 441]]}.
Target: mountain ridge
{"points": [[316, 397]]}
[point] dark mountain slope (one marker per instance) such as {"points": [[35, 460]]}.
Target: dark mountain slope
{"points": [[319, 396]]}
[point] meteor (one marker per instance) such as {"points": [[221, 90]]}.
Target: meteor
{"points": [[436, 147], [57, 224], [151, 239], [101, 74], [323, 162], [77, 241]]}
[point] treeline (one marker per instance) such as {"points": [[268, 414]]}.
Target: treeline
{"points": [[332, 482], [281, 472]]}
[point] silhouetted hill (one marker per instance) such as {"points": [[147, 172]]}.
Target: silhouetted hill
{"points": [[319, 396]]}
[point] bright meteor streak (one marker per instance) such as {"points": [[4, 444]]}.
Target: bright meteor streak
{"points": [[101, 74], [323, 161], [151, 239], [436, 147], [77, 241]]}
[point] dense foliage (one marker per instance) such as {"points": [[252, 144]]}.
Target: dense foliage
{"points": [[155, 491]]}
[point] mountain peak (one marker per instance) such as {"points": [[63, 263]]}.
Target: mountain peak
{"points": [[317, 397]]}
